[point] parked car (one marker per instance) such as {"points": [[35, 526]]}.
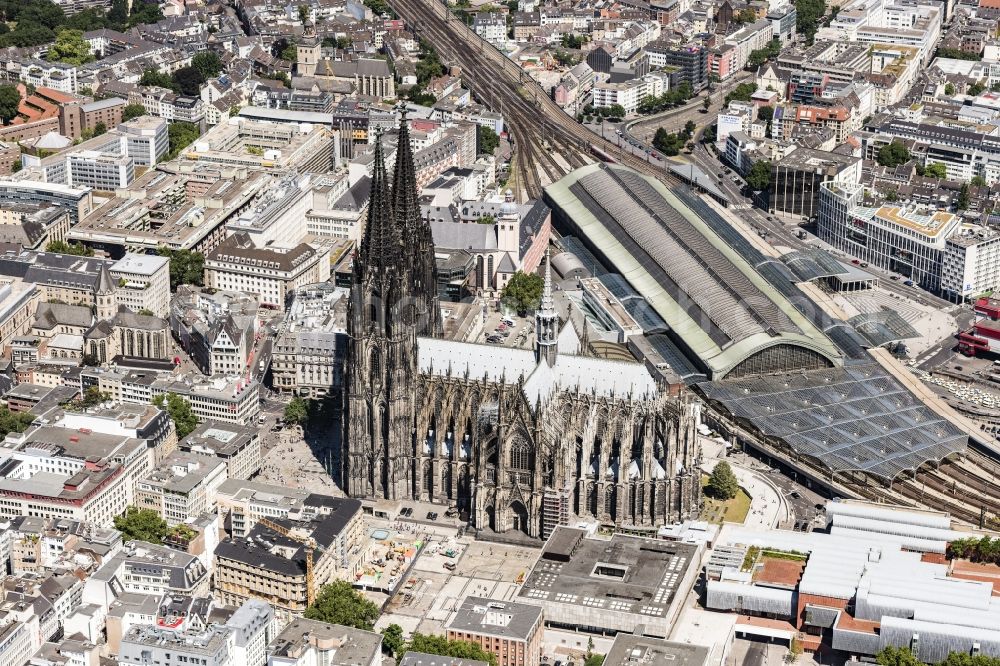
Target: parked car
{"points": [[909, 283], [855, 262]]}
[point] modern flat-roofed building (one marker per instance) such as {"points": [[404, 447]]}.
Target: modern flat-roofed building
{"points": [[510, 630], [238, 446], [78, 200], [309, 642], [910, 241], [242, 503], [181, 487], [876, 577], [151, 644], [146, 139], [632, 649], [594, 585], [143, 283], [796, 179], [414, 658]]}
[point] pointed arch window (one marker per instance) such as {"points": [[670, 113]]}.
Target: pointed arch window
{"points": [[520, 456]]}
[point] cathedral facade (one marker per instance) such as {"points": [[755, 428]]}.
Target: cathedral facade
{"points": [[519, 439]]}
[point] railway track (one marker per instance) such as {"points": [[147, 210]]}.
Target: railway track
{"points": [[540, 129]]}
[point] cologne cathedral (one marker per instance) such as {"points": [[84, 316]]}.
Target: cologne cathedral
{"points": [[517, 439]]}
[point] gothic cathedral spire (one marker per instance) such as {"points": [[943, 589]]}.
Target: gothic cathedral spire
{"points": [[547, 321], [417, 240], [381, 364]]}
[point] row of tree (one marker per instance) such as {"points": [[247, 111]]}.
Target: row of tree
{"points": [[984, 549], [40, 21], [894, 656], [668, 100]]}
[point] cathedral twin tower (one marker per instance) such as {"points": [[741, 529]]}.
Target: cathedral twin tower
{"points": [[512, 445], [394, 299]]}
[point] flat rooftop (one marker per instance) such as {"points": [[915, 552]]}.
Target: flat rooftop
{"points": [[630, 650], [625, 574], [503, 619]]}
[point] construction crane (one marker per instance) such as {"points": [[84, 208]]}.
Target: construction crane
{"points": [[310, 546]]}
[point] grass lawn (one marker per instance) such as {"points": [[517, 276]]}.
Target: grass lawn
{"points": [[731, 511]]}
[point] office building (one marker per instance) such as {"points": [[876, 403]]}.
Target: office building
{"points": [[238, 447], [510, 630], [143, 283], [181, 487], [313, 643], [796, 179], [311, 346]]}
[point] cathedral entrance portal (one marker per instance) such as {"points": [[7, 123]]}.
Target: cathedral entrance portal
{"points": [[520, 520]]}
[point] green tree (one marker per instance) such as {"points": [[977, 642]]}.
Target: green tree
{"points": [[448, 648], [949, 89], [765, 114], [722, 484], [153, 77], [976, 88], [290, 53], [488, 139], [893, 154], [303, 13], [14, 421], [894, 656], [338, 603], [594, 660], [133, 111], [710, 134], [71, 48], [188, 80], [617, 110], [62, 247], [936, 170], [186, 267], [118, 16], [744, 16], [146, 312], [741, 93], [392, 640], [807, 16], [759, 177], [181, 136], [100, 128], [963, 197], [208, 63], [978, 181], [297, 411], [144, 12], [10, 99], [669, 144], [179, 411], [141, 525], [706, 105], [956, 54], [523, 292]]}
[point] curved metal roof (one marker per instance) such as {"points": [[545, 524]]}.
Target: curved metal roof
{"points": [[710, 296]]}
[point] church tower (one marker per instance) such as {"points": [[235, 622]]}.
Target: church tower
{"points": [[547, 321], [308, 51], [381, 368], [104, 294], [417, 240]]}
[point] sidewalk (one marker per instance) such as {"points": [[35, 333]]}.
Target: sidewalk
{"points": [[768, 507]]}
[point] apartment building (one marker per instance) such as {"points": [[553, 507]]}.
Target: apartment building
{"points": [[272, 273], [143, 283], [310, 348], [238, 447], [146, 568], [512, 631], [971, 263], [311, 642], [182, 486], [144, 644], [271, 565], [628, 94]]}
